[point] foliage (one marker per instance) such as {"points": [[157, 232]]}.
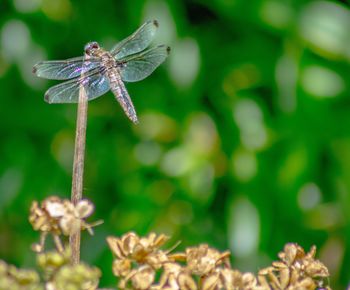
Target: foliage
{"points": [[243, 139]]}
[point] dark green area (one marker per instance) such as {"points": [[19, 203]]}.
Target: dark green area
{"points": [[244, 134]]}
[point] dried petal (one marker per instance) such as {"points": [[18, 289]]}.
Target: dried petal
{"points": [[156, 260], [249, 280], [54, 207], [143, 278], [307, 284], [70, 225], [114, 245], [129, 242], [211, 282], [178, 257], [284, 277], [84, 208], [175, 277], [160, 240], [186, 282], [202, 260], [317, 269], [121, 267]]}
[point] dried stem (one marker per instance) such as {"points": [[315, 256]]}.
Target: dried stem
{"points": [[78, 167]]}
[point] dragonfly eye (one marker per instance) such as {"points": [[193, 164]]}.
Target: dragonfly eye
{"points": [[95, 45], [91, 47]]}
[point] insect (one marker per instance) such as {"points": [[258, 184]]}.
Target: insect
{"points": [[99, 70]]}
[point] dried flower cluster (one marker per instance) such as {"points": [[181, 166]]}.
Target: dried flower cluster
{"points": [[16, 279], [57, 217], [142, 251], [139, 261], [296, 270], [141, 264], [58, 274]]}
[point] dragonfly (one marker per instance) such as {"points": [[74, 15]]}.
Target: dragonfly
{"points": [[99, 70]]}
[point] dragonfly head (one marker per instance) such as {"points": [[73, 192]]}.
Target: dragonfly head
{"points": [[91, 48]]}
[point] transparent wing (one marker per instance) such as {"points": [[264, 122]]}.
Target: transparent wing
{"points": [[95, 84], [139, 66], [137, 41], [64, 69]]}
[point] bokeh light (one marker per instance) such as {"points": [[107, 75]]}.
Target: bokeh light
{"points": [[244, 133], [323, 25], [322, 82], [244, 227], [15, 39]]}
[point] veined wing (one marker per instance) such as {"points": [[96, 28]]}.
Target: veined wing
{"points": [[65, 69], [137, 41], [95, 84], [141, 65]]}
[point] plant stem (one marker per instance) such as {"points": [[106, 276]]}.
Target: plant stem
{"points": [[78, 167]]}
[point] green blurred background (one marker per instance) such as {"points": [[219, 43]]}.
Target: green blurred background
{"points": [[244, 134]]}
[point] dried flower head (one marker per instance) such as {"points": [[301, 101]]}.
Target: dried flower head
{"points": [[174, 277], [138, 261], [76, 277], [132, 246], [296, 270], [294, 256], [203, 260], [231, 279], [41, 217], [140, 278], [14, 278], [56, 217], [73, 218], [51, 261]]}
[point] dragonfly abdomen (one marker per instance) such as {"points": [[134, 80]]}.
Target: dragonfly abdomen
{"points": [[122, 96]]}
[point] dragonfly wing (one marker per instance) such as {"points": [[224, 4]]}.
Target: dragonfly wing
{"points": [[95, 85], [137, 41], [64, 69], [141, 65]]}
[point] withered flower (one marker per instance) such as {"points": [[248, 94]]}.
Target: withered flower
{"points": [[56, 217], [14, 278], [59, 273], [140, 278], [132, 246], [139, 260], [51, 261], [44, 218], [73, 218], [202, 260], [175, 277], [295, 257], [296, 270], [231, 280], [76, 277], [121, 268]]}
